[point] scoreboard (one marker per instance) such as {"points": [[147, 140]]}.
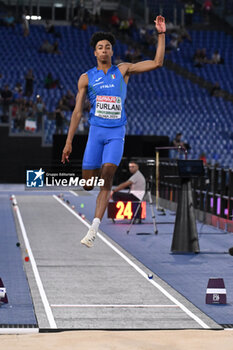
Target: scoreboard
{"points": [[125, 210]]}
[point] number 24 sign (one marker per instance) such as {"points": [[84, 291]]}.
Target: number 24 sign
{"points": [[125, 210]]}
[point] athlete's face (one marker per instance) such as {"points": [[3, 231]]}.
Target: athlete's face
{"points": [[103, 51]]}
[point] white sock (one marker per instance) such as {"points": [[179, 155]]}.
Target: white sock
{"points": [[95, 224]]}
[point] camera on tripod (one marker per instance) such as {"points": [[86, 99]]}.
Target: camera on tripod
{"points": [[150, 163]]}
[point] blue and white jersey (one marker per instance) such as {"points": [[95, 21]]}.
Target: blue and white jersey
{"points": [[106, 93]]}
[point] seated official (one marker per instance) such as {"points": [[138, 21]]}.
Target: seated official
{"points": [[136, 183]]}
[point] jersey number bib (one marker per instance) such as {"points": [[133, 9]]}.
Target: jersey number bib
{"points": [[108, 107]]}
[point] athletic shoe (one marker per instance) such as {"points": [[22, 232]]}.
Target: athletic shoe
{"points": [[88, 240]]}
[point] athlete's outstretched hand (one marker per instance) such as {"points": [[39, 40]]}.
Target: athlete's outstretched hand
{"points": [[66, 153], [160, 24]]}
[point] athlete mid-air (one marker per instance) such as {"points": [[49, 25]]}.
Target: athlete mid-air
{"points": [[106, 87]]}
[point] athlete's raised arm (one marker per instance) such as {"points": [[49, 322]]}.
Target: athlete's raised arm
{"points": [[146, 66], [76, 116]]}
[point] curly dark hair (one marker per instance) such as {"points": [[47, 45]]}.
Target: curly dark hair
{"points": [[98, 36]]}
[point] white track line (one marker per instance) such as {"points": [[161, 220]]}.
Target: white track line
{"points": [[48, 310], [74, 193], [114, 306], [138, 269]]}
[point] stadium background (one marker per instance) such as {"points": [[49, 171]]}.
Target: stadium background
{"points": [[175, 98]]}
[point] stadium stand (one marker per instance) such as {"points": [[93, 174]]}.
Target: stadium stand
{"points": [[160, 102]]}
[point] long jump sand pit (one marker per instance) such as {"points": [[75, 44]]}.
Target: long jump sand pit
{"points": [[121, 340]]}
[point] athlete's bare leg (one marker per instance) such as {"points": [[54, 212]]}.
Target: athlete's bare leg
{"points": [[88, 174], [107, 173]]}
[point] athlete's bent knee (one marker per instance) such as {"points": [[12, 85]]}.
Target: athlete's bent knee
{"points": [[88, 188]]}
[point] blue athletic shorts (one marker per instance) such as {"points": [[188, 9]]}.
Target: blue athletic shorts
{"points": [[104, 145]]}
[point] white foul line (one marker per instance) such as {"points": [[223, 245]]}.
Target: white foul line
{"points": [[113, 306], [139, 270], [35, 270], [19, 330]]}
